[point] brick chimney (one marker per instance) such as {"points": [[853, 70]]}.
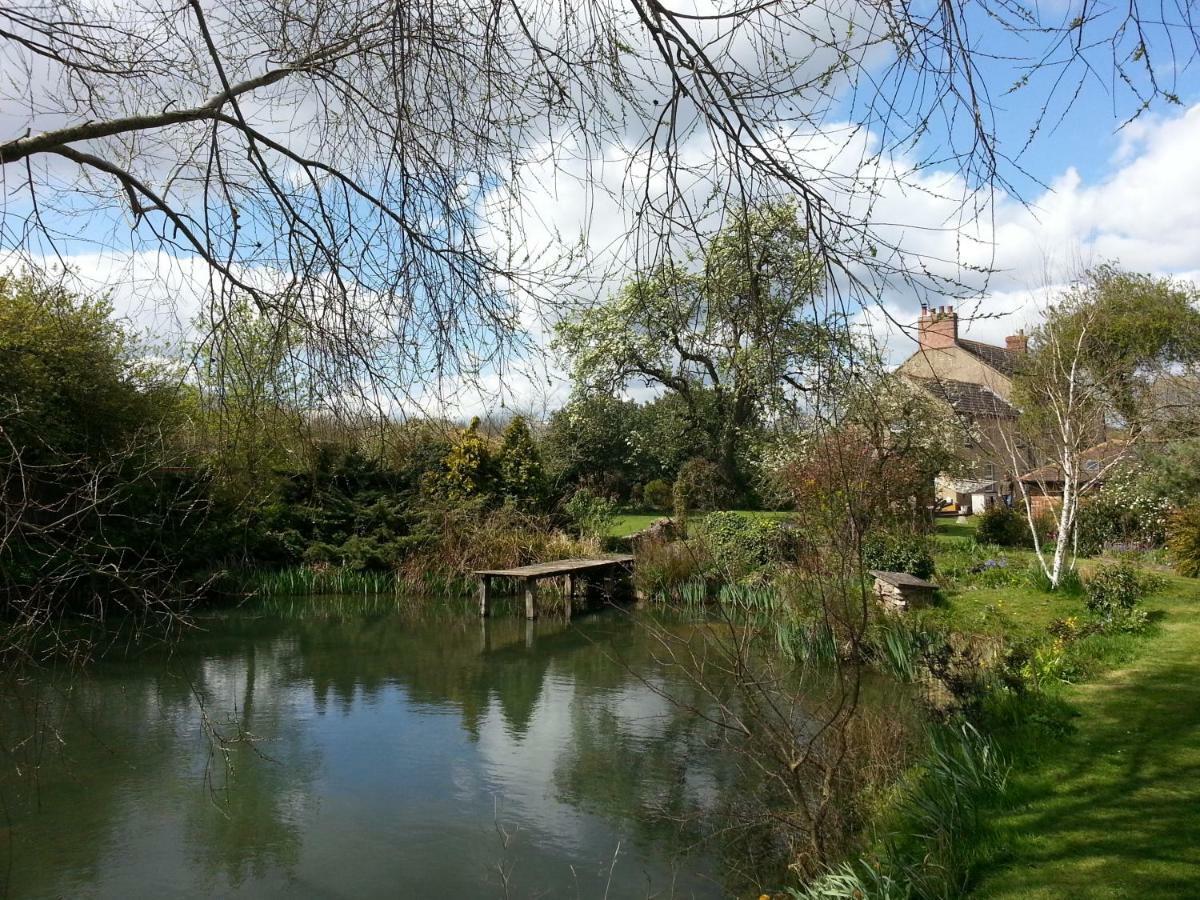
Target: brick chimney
{"points": [[1018, 342], [937, 329]]}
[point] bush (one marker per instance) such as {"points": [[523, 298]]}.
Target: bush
{"points": [[592, 514], [1114, 594], [667, 570], [898, 552], [700, 486], [1003, 526], [740, 545], [1183, 540], [657, 494]]}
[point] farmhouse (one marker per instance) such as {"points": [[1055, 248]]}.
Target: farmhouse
{"points": [[975, 381]]}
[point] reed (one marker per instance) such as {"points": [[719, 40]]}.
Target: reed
{"points": [[301, 581]]}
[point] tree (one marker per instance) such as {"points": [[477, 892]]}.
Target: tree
{"points": [[588, 442], [1095, 365], [254, 394], [468, 467], [73, 380], [95, 509], [522, 479], [738, 328]]}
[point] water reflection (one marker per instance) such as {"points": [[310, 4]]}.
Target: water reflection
{"points": [[369, 755]]}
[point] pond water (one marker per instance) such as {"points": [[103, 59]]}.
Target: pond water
{"points": [[368, 755]]}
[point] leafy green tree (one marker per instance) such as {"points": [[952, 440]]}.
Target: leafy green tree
{"points": [[736, 324], [588, 442], [74, 380], [253, 397], [1095, 369], [95, 507], [522, 478]]}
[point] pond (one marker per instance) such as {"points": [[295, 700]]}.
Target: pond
{"points": [[366, 754]]}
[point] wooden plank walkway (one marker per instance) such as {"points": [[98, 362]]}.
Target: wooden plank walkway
{"points": [[573, 569]]}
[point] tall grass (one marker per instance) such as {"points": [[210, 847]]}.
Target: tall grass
{"points": [[936, 826], [301, 581]]}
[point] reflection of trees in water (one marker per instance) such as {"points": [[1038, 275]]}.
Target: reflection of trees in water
{"points": [[260, 780], [649, 766], [121, 733]]}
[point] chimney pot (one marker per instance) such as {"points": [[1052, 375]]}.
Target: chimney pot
{"points": [[939, 329]]}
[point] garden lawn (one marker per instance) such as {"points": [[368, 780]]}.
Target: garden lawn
{"points": [[1112, 809], [628, 523]]}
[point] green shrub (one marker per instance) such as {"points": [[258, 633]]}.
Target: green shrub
{"points": [[519, 466], [657, 494], [1003, 526], [592, 514], [1183, 540], [898, 552], [699, 486], [1114, 593], [740, 545]]}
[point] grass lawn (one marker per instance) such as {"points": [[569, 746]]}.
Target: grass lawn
{"points": [[628, 523], [949, 529], [1113, 808]]}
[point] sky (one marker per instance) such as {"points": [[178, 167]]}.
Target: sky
{"points": [[1092, 187]]}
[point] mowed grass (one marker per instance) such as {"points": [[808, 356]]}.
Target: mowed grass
{"points": [[1112, 808], [628, 523]]}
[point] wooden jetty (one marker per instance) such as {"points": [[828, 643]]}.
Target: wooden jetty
{"points": [[573, 569]]}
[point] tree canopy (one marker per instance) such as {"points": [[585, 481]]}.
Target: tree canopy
{"points": [[737, 325]]}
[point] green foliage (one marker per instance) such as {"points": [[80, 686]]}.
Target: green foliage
{"points": [[345, 511], [74, 380], [1125, 510], [588, 442], [1123, 332], [1170, 472], [590, 513], [740, 545], [674, 570], [927, 850], [657, 494], [102, 504], [1183, 540], [736, 328], [701, 486], [468, 470], [522, 478], [1114, 593], [899, 551], [1003, 526]]}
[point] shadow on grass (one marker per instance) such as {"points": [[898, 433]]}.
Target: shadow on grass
{"points": [[1113, 809]]}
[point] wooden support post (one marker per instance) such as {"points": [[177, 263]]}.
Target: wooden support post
{"points": [[570, 598], [531, 598], [485, 595]]}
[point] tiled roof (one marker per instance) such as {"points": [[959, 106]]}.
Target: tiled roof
{"points": [[1001, 359], [1094, 459], [967, 398]]}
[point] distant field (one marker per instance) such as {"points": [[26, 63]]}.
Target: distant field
{"points": [[628, 523]]}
